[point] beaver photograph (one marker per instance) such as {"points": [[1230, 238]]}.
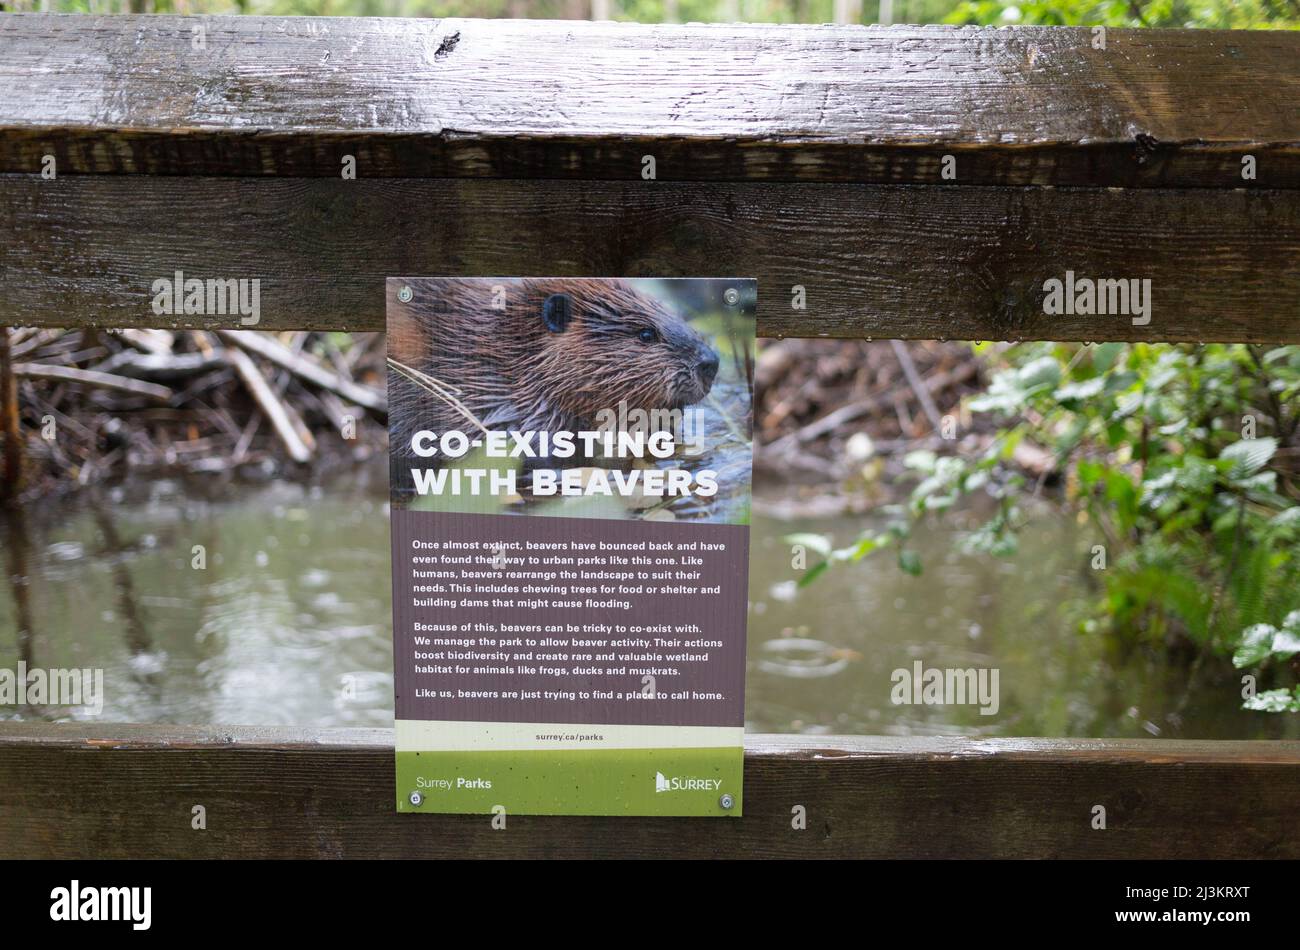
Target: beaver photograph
{"points": [[538, 361]]}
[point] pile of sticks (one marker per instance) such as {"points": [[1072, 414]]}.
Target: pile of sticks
{"points": [[94, 404], [813, 396]]}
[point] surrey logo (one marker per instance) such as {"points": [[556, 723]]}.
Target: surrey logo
{"points": [[679, 784]]}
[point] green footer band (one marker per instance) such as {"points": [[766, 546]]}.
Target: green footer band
{"points": [[685, 782]]}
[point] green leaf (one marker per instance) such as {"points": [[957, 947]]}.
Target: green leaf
{"points": [[1195, 475], [1089, 472], [923, 460], [1119, 382], [1042, 373], [1287, 518], [1274, 700], [1081, 390], [1263, 641], [813, 542], [813, 573], [868, 544], [910, 561], [1254, 646], [1105, 355], [1248, 456]]}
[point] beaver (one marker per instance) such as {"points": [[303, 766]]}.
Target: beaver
{"points": [[558, 351]]}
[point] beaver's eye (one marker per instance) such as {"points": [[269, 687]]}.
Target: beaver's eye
{"points": [[647, 335]]}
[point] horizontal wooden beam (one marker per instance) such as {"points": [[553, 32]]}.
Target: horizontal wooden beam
{"points": [[80, 791], [874, 260], [526, 99]]}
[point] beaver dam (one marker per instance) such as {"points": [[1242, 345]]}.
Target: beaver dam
{"points": [[95, 406]]}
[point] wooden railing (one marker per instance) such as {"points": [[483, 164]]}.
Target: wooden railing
{"points": [[914, 182]]}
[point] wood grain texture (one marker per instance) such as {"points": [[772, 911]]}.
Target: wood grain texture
{"points": [[875, 260], [105, 791], [525, 99]]}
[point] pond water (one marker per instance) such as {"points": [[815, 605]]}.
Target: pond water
{"points": [[289, 621]]}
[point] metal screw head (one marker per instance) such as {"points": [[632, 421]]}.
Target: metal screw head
{"points": [[732, 296], [404, 294], [416, 799], [726, 801]]}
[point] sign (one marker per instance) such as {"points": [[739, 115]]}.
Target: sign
{"points": [[570, 468]]}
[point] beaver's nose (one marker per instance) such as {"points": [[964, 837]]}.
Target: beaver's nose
{"points": [[707, 368]]}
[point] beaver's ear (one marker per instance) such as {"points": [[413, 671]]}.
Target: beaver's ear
{"points": [[557, 310]]}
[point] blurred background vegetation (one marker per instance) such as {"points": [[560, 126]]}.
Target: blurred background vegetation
{"points": [[1205, 14]]}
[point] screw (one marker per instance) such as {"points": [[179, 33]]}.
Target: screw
{"points": [[405, 294], [726, 801], [731, 296], [416, 799]]}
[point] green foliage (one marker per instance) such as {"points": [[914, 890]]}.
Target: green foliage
{"points": [[1262, 642], [1209, 14], [1275, 700], [1175, 456]]}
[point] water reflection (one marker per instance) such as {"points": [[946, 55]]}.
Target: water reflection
{"points": [[273, 609], [272, 605], [1019, 615], [18, 564]]}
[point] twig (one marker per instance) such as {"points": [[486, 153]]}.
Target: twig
{"points": [[266, 399], [307, 368], [163, 365], [89, 377], [833, 420], [298, 339], [918, 385], [336, 411], [24, 343], [156, 342], [246, 439]]}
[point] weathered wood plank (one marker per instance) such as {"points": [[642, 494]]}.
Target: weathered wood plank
{"points": [[876, 261], [525, 99], [107, 791]]}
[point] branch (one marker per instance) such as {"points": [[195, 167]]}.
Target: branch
{"points": [[308, 369], [89, 377], [270, 404]]}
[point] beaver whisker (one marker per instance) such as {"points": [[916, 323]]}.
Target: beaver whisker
{"points": [[422, 378], [438, 388]]}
